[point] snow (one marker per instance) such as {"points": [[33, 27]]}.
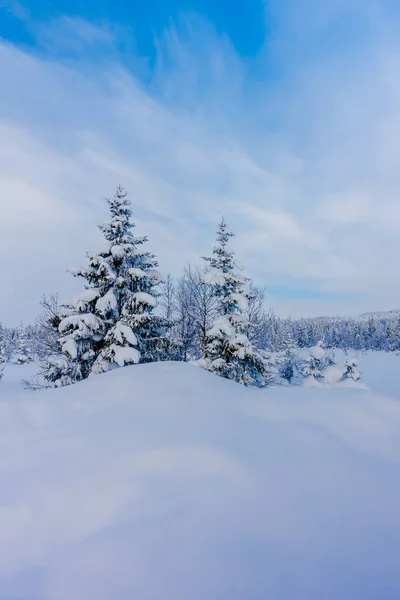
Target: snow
{"points": [[241, 301], [380, 371], [107, 303], [11, 382], [155, 274], [118, 251], [221, 325], [144, 298], [238, 264], [242, 345], [214, 277], [125, 355], [332, 374], [85, 324], [75, 270], [317, 352], [124, 333], [311, 382], [80, 303], [164, 481], [69, 347], [136, 273]]}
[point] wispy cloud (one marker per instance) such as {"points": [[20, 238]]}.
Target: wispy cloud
{"points": [[301, 157], [16, 9], [73, 34]]}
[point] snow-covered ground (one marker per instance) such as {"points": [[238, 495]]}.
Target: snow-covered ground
{"points": [[381, 372], [164, 481]]}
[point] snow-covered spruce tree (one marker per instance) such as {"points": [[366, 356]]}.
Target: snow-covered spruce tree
{"points": [[22, 353], [288, 362], [2, 350], [112, 323], [302, 340], [229, 352], [316, 363]]}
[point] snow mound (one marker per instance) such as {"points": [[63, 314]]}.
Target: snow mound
{"points": [[317, 352], [311, 382], [332, 374], [164, 481]]}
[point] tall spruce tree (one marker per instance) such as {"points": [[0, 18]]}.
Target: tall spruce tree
{"points": [[229, 352], [112, 323]]}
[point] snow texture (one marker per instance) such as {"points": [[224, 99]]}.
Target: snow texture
{"points": [[69, 347], [125, 355], [83, 300], [106, 303], [163, 481], [137, 273], [144, 298], [84, 324], [214, 277], [317, 352], [332, 374]]}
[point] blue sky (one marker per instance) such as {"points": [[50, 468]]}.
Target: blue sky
{"points": [[244, 21], [282, 115]]}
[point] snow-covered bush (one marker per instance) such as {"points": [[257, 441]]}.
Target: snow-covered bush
{"points": [[316, 364], [320, 368], [351, 371], [59, 370], [331, 375]]}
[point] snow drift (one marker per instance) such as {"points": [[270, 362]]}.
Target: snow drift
{"points": [[163, 481]]}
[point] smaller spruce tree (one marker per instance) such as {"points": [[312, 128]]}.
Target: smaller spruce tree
{"points": [[315, 362], [288, 363], [22, 353], [2, 350], [229, 352]]}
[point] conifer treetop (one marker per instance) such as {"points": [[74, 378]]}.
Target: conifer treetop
{"points": [[119, 229], [228, 283]]}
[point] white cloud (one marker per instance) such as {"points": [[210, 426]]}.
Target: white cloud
{"points": [[305, 168], [72, 34], [346, 208]]}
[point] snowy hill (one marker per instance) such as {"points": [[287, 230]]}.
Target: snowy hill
{"points": [[385, 315], [163, 481]]}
